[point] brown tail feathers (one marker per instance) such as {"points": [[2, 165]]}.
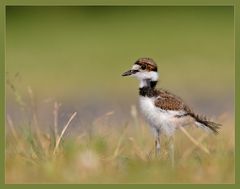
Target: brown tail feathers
{"points": [[203, 122]]}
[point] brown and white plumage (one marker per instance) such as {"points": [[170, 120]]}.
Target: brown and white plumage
{"points": [[168, 101], [164, 111]]}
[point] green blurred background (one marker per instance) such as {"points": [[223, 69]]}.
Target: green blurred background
{"points": [[77, 54]]}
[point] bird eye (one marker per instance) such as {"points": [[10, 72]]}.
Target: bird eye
{"points": [[143, 67]]}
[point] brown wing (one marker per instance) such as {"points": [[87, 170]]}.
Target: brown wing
{"points": [[168, 101]]}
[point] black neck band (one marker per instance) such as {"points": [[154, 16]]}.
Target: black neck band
{"points": [[153, 84], [148, 90]]}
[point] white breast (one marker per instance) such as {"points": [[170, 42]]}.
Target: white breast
{"points": [[158, 118]]}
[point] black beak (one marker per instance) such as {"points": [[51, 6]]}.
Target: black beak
{"points": [[129, 72]]}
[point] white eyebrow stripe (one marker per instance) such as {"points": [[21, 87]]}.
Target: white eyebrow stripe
{"points": [[135, 67]]}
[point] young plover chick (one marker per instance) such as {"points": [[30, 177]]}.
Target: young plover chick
{"points": [[164, 111]]}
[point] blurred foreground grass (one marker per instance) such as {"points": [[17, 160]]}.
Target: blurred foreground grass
{"points": [[115, 154]]}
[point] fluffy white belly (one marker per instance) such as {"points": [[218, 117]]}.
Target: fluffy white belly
{"points": [[158, 118]]}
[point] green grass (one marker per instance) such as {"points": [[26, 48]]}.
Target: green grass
{"points": [[116, 154]]}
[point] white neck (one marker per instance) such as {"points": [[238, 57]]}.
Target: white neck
{"points": [[145, 78], [143, 83], [146, 83]]}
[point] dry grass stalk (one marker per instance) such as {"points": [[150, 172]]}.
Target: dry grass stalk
{"points": [[63, 131], [137, 149], [117, 149], [12, 128], [55, 115], [190, 150], [102, 118], [35, 119], [18, 140], [197, 143]]}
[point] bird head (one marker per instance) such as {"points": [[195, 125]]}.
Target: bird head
{"points": [[144, 69]]}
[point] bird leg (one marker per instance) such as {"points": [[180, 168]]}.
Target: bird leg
{"points": [[157, 144], [171, 151], [154, 151], [156, 148]]}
